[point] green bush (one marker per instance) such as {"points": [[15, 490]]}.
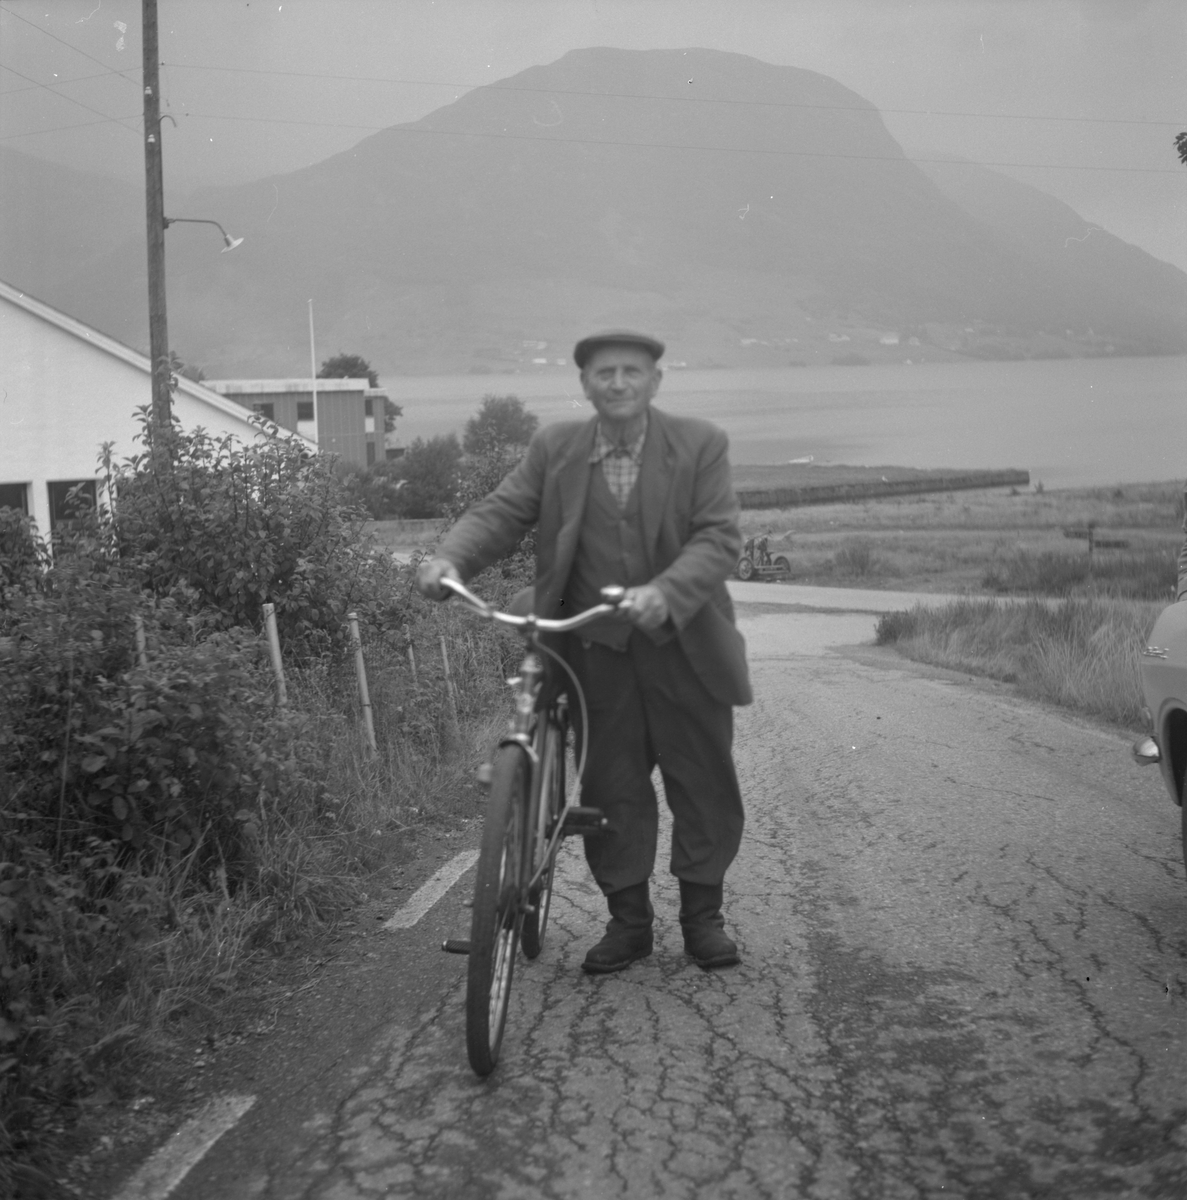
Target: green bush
{"points": [[114, 774], [429, 471], [22, 554], [375, 489], [231, 527]]}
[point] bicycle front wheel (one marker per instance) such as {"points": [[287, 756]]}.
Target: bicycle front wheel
{"points": [[498, 910], [545, 812]]}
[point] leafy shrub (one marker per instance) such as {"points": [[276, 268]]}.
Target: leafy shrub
{"points": [[22, 554], [376, 489], [429, 470], [115, 773], [231, 527]]}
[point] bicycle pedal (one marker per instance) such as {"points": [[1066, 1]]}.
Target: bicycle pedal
{"points": [[456, 945], [582, 822]]}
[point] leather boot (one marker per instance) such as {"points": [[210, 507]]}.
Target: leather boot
{"points": [[704, 926], [628, 932]]}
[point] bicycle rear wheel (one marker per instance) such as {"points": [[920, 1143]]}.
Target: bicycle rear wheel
{"points": [[498, 914], [546, 811]]}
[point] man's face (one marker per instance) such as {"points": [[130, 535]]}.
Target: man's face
{"points": [[619, 382]]}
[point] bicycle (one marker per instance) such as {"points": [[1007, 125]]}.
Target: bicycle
{"points": [[527, 815]]}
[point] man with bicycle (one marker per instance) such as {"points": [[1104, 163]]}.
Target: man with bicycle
{"points": [[640, 498]]}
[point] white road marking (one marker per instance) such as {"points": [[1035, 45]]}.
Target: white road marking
{"points": [[431, 891], [165, 1169]]}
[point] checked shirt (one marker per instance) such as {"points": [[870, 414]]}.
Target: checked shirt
{"points": [[620, 464]]}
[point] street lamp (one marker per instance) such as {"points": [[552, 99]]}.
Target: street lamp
{"points": [[231, 242]]}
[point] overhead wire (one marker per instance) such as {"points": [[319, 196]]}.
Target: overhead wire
{"points": [[69, 45], [8, 137], [505, 87], [53, 88], [71, 100], [60, 83], [672, 145]]}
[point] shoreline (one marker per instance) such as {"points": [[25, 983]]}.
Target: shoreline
{"points": [[791, 485]]}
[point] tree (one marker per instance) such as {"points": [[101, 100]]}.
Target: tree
{"points": [[355, 366], [348, 366], [1181, 146], [502, 422], [430, 474]]}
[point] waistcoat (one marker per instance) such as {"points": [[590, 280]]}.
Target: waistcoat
{"points": [[610, 550]]}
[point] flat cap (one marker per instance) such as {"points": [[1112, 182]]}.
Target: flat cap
{"points": [[616, 337]]}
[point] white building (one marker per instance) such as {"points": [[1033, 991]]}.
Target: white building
{"points": [[65, 389]]}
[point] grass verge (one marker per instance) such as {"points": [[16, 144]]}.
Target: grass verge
{"points": [[1082, 654]]}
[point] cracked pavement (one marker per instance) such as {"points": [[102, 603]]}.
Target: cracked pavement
{"points": [[962, 921]]}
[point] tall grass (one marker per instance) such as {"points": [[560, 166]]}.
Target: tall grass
{"points": [[1082, 654], [1147, 574]]}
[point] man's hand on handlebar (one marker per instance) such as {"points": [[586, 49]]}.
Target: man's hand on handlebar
{"points": [[430, 574], [645, 607]]}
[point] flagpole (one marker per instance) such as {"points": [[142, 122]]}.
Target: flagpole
{"points": [[313, 371]]}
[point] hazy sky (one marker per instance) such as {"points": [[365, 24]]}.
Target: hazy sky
{"points": [[1081, 98]]}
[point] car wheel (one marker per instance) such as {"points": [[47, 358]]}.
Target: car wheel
{"points": [[745, 568]]}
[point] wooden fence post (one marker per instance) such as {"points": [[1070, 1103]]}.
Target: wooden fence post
{"points": [[141, 643], [452, 736], [361, 670], [282, 696], [412, 660]]}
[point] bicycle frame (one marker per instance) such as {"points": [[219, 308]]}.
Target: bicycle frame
{"points": [[527, 719]]}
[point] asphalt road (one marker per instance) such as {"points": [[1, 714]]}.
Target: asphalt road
{"points": [[963, 921]]}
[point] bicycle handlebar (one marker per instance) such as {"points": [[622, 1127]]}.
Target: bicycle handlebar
{"points": [[613, 597]]}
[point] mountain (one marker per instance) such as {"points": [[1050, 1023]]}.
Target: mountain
{"points": [[54, 220], [748, 213]]}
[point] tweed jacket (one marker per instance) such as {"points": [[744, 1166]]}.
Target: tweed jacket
{"points": [[690, 528]]}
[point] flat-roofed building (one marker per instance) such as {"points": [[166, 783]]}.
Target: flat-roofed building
{"points": [[344, 417]]}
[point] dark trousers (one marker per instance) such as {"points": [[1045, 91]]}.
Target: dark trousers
{"points": [[647, 707]]}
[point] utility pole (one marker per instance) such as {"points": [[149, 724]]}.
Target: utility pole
{"points": [[158, 329]]}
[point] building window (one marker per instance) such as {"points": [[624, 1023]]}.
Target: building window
{"points": [[370, 454], [368, 410], [15, 495], [267, 411], [306, 423], [70, 499]]}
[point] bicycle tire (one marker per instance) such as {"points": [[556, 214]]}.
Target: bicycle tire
{"points": [[549, 801], [497, 915]]}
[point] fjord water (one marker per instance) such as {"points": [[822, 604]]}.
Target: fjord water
{"points": [[1069, 422]]}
